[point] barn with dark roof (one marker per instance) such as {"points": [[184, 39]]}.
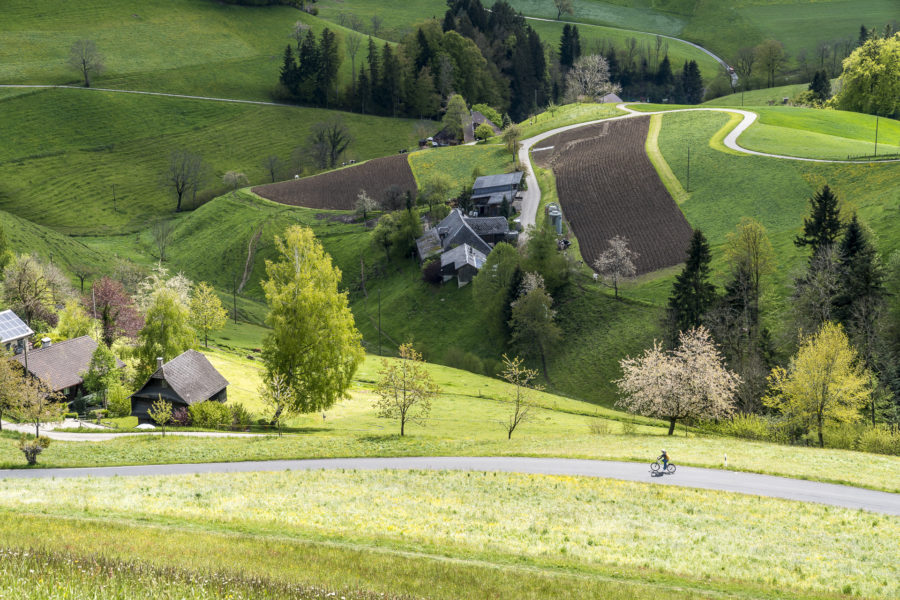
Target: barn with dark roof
{"points": [[187, 379], [61, 366]]}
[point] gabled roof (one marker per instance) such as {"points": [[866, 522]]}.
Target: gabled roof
{"points": [[12, 328], [462, 255], [478, 119], [610, 98], [488, 225], [60, 365], [428, 244], [191, 376], [504, 179], [457, 232]]}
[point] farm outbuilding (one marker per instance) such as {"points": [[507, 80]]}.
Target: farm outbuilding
{"points": [[490, 191], [60, 366], [14, 333], [187, 379], [454, 230], [462, 262]]}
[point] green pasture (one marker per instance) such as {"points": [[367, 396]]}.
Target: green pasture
{"points": [[199, 48], [593, 527], [814, 133], [73, 146], [459, 163], [760, 97], [568, 114]]}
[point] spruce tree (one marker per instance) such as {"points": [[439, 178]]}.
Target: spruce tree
{"points": [[863, 35], [664, 75], [565, 47], [692, 83], [820, 86], [288, 76], [823, 227], [862, 278], [692, 293]]}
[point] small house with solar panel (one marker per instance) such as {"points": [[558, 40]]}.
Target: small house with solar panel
{"points": [[14, 333], [61, 366]]}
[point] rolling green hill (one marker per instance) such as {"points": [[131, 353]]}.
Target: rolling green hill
{"points": [[72, 146], [200, 47]]}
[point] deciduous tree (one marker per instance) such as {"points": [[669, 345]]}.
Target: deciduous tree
{"points": [[183, 174], [870, 81], [234, 180], [405, 389], [74, 321], [207, 312], [533, 325], [512, 134], [690, 381], [771, 58], [563, 6], [365, 204], [162, 230], [35, 403], [456, 116], [84, 58], [273, 166], [824, 382], [33, 288], [115, 310], [328, 141], [496, 286], [521, 379], [313, 343], [616, 263], [161, 413], [10, 377], [588, 80], [102, 373], [167, 331]]}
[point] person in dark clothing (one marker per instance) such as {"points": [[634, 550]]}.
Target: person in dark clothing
{"points": [[665, 460]]}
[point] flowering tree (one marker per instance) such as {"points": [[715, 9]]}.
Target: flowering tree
{"points": [[690, 381], [616, 263], [515, 373], [115, 309], [589, 79]]}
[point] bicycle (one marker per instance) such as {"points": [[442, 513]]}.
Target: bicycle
{"points": [[656, 468]]}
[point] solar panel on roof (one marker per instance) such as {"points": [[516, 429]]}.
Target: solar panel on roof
{"points": [[12, 327]]}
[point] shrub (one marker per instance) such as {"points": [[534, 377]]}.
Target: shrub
{"points": [[240, 416], [98, 414], [431, 271], [182, 417], [841, 436], [70, 415], [117, 401], [483, 132], [628, 428], [210, 414], [489, 112], [748, 427], [492, 367], [31, 448], [600, 427], [79, 405], [879, 440], [466, 361]]}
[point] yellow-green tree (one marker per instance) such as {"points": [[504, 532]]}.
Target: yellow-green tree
{"points": [[824, 382], [405, 389], [161, 413], [74, 321], [207, 312], [10, 377], [313, 343], [521, 378], [870, 81], [167, 331]]}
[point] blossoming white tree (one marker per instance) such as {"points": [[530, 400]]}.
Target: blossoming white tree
{"points": [[616, 263], [690, 381]]}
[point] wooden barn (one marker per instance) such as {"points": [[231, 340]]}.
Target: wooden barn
{"points": [[187, 379], [60, 366]]}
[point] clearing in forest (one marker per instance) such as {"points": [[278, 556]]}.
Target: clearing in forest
{"points": [[607, 187], [338, 190]]}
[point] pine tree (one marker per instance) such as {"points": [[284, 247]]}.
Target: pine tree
{"points": [[307, 68], [664, 75], [363, 92], [288, 76], [692, 293], [820, 86], [862, 278], [692, 83], [329, 61], [823, 226], [565, 47], [863, 35]]}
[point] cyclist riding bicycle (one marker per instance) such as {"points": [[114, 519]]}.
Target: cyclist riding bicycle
{"points": [[665, 460]]}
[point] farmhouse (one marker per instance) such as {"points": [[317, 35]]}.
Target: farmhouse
{"points": [[187, 379], [14, 333], [462, 262], [61, 366], [490, 192]]}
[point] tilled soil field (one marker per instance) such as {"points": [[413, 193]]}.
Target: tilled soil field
{"points": [[338, 190], [607, 187]]}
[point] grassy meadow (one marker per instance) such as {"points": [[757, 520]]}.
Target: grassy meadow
{"points": [[200, 48], [592, 527], [74, 145]]}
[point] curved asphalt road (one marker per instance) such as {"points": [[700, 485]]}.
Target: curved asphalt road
{"points": [[712, 479], [532, 196]]}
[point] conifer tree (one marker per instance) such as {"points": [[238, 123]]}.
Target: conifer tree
{"points": [[823, 226], [692, 293], [692, 83], [862, 278]]}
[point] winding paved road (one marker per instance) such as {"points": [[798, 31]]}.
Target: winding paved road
{"points": [[532, 197], [711, 479]]}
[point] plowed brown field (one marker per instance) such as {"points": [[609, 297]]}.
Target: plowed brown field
{"points": [[337, 190], [607, 187]]}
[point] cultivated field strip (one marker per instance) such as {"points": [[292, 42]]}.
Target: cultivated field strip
{"points": [[607, 187], [338, 190]]}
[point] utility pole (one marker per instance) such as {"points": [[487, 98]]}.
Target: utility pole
{"points": [[379, 321], [689, 169], [876, 136], [115, 208]]}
